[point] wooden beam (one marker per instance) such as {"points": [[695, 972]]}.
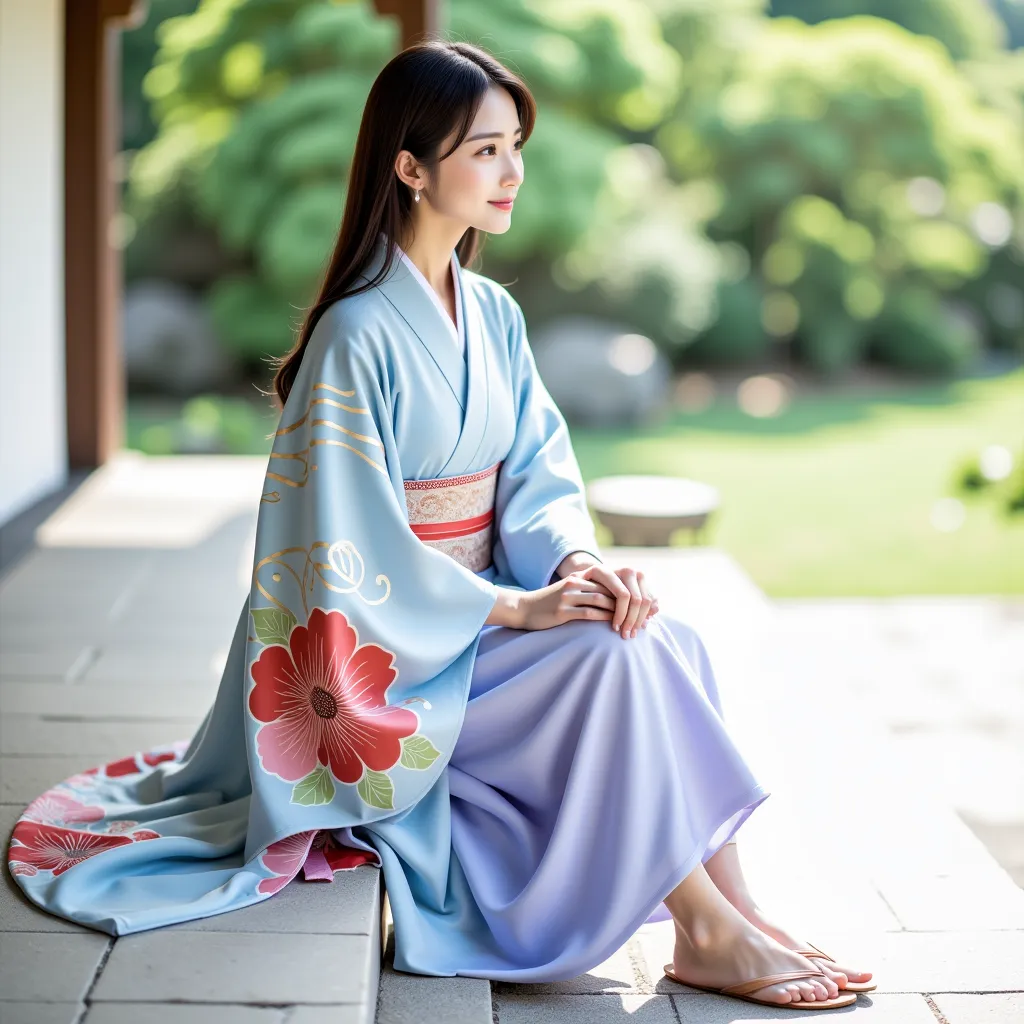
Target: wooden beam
{"points": [[418, 18], [94, 367]]}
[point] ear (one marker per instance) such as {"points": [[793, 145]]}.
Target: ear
{"points": [[409, 170]]}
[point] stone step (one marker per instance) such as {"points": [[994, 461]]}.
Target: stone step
{"points": [[421, 999]]}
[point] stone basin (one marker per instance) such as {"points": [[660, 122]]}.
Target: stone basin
{"points": [[644, 511]]}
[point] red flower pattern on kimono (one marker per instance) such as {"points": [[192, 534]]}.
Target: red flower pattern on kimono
{"points": [[56, 808], [52, 848], [322, 698], [284, 857]]}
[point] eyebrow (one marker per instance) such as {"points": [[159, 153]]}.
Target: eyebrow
{"points": [[492, 135]]}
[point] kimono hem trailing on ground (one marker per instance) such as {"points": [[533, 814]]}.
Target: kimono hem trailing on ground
{"points": [[530, 796]]}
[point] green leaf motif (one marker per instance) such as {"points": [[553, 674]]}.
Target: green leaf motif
{"points": [[316, 788], [273, 626], [377, 790], [418, 752]]}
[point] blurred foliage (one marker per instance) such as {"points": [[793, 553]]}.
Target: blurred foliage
{"points": [[206, 424], [967, 28], [996, 474], [866, 180], [735, 185], [138, 49], [1012, 13], [259, 102]]}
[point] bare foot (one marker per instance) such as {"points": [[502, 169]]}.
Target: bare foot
{"points": [[736, 951], [839, 974]]}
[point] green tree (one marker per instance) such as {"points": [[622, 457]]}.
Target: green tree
{"points": [[863, 176], [259, 102], [138, 48], [967, 28]]}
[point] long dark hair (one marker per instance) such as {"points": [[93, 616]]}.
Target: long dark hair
{"points": [[416, 101]]}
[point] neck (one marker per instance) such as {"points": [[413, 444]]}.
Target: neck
{"points": [[431, 251]]}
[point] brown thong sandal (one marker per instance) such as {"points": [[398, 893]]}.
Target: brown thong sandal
{"points": [[850, 986], [740, 991]]}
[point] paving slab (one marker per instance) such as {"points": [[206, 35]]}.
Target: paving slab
{"points": [[417, 999], [198, 665], [873, 1009], [105, 701], [184, 1013], [239, 967], [331, 1014], [49, 966], [622, 972], [350, 905], [592, 1009], [972, 1008], [41, 1013], [32, 735], [23, 777], [48, 659]]}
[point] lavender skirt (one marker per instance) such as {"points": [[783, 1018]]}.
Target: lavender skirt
{"points": [[591, 775]]}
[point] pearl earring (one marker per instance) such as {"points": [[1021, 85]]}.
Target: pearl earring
{"points": [[416, 195]]}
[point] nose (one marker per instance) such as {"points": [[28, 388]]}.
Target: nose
{"points": [[513, 175]]}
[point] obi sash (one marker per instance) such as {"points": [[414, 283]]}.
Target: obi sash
{"points": [[456, 515]]}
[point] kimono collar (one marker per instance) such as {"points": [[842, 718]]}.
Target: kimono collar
{"points": [[465, 373]]}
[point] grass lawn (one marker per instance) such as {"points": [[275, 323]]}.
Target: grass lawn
{"points": [[831, 498], [834, 496]]}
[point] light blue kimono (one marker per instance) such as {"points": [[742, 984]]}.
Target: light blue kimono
{"points": [[367, 713]]}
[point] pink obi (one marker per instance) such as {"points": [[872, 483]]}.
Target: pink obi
{"points": [[456, 515]]}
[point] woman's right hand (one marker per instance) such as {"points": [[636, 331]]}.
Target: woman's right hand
{"points": [[572, 597]]}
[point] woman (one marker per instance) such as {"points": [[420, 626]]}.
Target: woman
{"points": [[434, 670]]}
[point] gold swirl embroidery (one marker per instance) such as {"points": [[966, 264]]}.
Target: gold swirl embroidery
{"points": [[321, 401], [302, 456], [277, 559], [271, 496], [342, 557]]}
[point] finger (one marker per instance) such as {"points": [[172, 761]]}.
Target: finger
{"points": [[632, 613], [588, 587], [641, 616], [586, 611], [648, 598], [615, 586], [594, 600]]}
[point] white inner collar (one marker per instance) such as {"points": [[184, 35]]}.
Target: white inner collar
{"points": [[454, 329]]}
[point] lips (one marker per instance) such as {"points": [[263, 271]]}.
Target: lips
{"points": [[502, 204]]}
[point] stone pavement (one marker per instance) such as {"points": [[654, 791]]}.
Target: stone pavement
{"points": [[858, 848]]}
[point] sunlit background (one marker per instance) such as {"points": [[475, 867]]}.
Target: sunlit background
{"points": [[786, 243]]}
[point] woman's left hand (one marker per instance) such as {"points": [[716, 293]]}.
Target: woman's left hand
{"points": [[634, 602]]}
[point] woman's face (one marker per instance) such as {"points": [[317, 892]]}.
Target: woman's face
{"points": [[487, 167]]}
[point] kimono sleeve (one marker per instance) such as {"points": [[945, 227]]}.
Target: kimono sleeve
{"points": [[540, 502], [338, 523]]}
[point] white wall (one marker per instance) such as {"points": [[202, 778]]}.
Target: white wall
{"points": [[33, 453]]}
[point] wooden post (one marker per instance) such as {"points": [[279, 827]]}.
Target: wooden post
{"points": [[418, 18], [94, 367]]}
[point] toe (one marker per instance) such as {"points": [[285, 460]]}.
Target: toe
{"points": [[812, 990], [843, 975], [833, 978], [777, 993]]}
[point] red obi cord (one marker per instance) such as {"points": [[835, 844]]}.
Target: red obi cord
{"points": [[458, 528]]}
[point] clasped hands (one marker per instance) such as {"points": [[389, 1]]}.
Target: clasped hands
{"points": [[620, 595]]}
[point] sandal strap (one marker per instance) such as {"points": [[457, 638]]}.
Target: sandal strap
{"points": [[746, 987], [813, 950]]}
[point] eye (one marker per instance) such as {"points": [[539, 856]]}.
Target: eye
{"points": [[519, 143]]}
